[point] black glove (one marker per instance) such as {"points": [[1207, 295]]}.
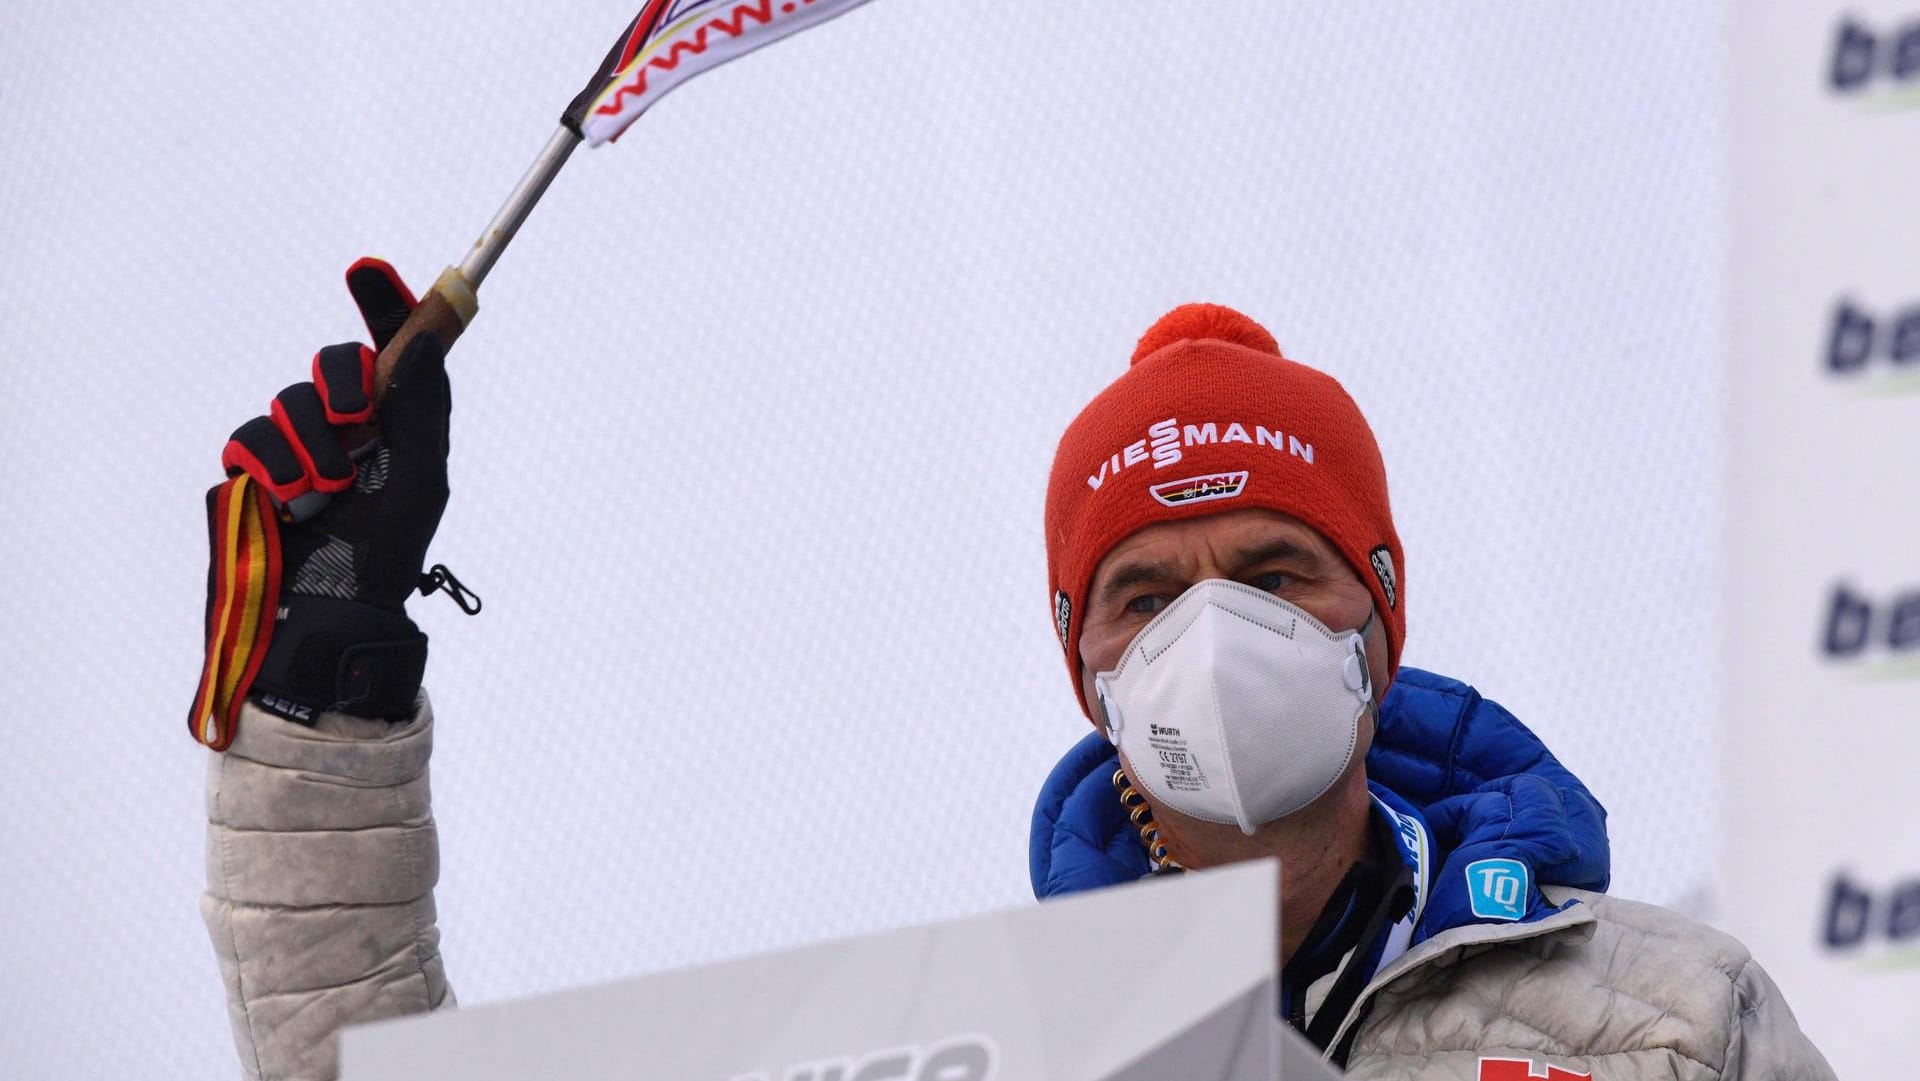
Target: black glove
{"points": [[354, 528]]}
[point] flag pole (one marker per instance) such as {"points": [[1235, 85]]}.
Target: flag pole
{"points": [[451, 304], [513, 213]]}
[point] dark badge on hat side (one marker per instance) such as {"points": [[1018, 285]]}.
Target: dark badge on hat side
{"points": [[1062, 616], [1382, 561]]}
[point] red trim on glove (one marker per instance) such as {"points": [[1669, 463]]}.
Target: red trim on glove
{"points": [[368, 358], [236, 458], [315, 481]]}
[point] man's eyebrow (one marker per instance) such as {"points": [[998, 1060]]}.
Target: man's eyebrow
{"points": [[1129, 575], [1282, 550]]}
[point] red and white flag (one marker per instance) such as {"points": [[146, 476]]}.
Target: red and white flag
{"points": [[671, 41]]}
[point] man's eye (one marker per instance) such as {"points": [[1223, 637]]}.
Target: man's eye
{"points": [[1271, 582], [1146, 604]]}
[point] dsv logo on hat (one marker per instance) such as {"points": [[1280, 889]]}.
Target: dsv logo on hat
{"points": [[1863, 56], [1858, 916], [1179, 493]]}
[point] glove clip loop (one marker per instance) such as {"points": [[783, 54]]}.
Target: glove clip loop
{"points": [[440, 577]]}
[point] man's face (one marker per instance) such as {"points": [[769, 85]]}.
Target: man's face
{"points": [[1260, 548]]}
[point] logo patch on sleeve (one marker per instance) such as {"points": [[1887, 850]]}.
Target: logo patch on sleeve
{"points": [[1498, 889], [1179, 493], [1062, 615], [1382, 561]]}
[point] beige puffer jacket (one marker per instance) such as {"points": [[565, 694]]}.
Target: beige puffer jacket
{"points": [[321, 862], [1607, 989], [322, 857]]}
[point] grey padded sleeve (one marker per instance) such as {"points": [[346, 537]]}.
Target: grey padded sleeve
{"points": [[321, 863], [1766, 1043]]}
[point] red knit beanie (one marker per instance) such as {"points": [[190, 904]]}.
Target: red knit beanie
{"points": [[1210, 417]]}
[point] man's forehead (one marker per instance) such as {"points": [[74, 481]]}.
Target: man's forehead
{"points": [[1225, 536]]}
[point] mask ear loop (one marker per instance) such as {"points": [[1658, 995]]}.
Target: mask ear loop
{"points": [[1359, 674], [1109, 710]]}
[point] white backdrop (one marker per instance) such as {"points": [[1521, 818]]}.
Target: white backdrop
{"points": [[1820, 608], [752, 433]]}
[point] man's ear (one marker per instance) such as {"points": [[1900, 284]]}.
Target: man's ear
{"points": [[1368, 729]]}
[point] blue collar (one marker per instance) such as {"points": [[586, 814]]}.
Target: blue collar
{"points": [[1487, 876], [1479, 881], [1415, 842]]}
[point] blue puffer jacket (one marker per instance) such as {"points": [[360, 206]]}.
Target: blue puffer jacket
{"points": [[1487, 788]]}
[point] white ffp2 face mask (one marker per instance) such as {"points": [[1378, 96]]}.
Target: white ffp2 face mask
{"points": [[1234, 706]]}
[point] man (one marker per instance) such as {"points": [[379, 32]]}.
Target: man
{"points": [[1228, 590], [322, 854]]}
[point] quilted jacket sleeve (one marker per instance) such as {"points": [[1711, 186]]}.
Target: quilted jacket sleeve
{"points": [[321, 862], [1766, 1043]]}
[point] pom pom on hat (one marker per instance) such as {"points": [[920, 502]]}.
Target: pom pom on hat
{"points": [[1217, 322]]}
